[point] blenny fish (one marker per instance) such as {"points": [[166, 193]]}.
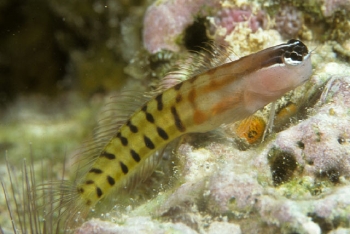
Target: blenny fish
{"points": [[222, 94]]}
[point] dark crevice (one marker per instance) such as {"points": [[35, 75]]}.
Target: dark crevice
{"points": [[282, 164], [331, 174], [196, 38]]}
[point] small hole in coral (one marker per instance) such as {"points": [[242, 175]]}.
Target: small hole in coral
{"points": [[316, 189], [232, 200], [325, 225], [332, 174], [341, 140], [283, 164], [196, 38], [300, 144]]}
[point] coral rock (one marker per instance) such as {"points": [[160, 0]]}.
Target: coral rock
{"points": [[132, 225], [289, 21], [165, 21]]}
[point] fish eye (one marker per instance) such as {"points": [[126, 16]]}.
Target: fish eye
{"points": [[292, 58], [295, 53]]}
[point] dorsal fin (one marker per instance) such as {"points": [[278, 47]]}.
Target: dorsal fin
{"points": [[207, 58], [112, 116], [197, 62]]}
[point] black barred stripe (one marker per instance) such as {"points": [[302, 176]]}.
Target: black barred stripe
{"points": [[162, 133], [89, 182], [178, 122], [124, 168], [99, 192], [148, 142], [123, 140], [132, 127], [96, 170], [135, 156], [108, 155], [149, 117], [159, 102], [110, 180]]}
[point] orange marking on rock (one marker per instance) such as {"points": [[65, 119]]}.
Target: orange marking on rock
{"points": [[287, 111], [251, 129]]}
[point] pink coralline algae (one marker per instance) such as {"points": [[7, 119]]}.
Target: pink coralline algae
{"points": [[289, 21], [230, 189], [229, 18], [331, 6], [320, 144], [132, 225], [165, 21]]}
